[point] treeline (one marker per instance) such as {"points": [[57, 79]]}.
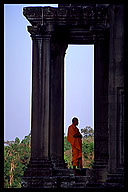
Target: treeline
{"points": [[17, 156]]}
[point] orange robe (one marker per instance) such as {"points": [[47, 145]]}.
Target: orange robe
{"points": [[76, 145]]}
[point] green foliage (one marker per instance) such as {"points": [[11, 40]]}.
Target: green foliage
{"points": [[87, 132], [68, 158], [16, 158], [91, 163], [67, 145], [87, 148]]}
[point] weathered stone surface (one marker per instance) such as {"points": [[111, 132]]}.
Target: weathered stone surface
{"points": [[79, 15], [116, 95], [51, 31], [59, 181]]}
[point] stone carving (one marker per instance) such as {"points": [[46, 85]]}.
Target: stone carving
{"points": [[71, 16]]}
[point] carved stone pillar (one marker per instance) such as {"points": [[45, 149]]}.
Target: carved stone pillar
{"points": [[116, 95], [40, 163], [57, 104], [101, 108], [40, 97]]}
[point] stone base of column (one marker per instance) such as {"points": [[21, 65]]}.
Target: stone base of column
{"points": [[58, 163], [41, 170], [62, 178], [37, 167], [115, 179], [100, 171]]}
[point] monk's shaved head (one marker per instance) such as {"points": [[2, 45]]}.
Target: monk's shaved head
{"points": [[74, 119]]}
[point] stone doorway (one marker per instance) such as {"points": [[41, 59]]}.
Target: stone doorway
{"points": [[51, 31], [79, 89]]}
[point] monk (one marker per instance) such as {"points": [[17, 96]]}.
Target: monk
{"points": [[75, 138]]}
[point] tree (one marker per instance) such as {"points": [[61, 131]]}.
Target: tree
{"points": [[88, 145], [16, 158], [68, 158], [87, 132]]}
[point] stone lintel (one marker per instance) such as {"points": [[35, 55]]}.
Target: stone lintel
{"points": [[67, 16]]}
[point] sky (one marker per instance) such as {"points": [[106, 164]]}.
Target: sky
{"points": [[79, 86]]}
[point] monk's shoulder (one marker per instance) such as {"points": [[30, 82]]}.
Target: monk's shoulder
{"points": [[71, 127]]}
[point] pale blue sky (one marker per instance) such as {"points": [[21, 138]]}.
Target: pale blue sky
{"points": [[79, 85], [17, 77]]}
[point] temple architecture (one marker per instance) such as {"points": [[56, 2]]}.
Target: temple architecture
{"points": [[52, 30]]}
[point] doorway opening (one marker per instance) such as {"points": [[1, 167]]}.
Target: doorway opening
{"points": [[79, 99]]}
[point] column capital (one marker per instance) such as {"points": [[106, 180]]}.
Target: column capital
{"points": [[42, 31]]}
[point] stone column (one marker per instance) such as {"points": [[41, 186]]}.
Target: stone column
{"points": [[101, 57], [40, 163], [57, 104], [116, 95], [40, 97]]}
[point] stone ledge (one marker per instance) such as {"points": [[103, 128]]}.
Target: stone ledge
{"points": [[55, 182]]}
